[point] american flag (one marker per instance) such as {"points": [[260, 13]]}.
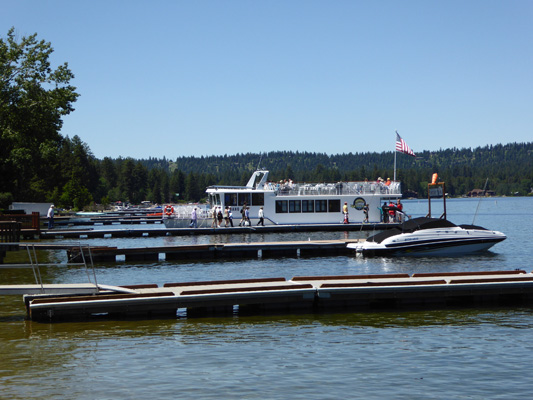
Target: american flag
{"points": [[402, 147]]}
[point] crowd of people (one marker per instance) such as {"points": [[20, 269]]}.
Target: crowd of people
{"points": [[219, 216]]}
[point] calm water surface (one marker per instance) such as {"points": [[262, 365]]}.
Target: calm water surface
{"points": [[465, 354]]}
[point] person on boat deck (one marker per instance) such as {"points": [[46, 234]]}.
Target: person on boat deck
{"points": [[50, 217], [194, 219], [261, 217], [388, 182], [365, 211]]}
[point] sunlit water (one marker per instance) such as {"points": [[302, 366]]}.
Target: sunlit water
{"points": [[469, 354]]}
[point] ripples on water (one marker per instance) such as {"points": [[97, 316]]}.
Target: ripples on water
{"points": [[471, 354]]}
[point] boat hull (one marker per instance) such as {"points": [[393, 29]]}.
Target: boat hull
{"points": [[442, 249]]}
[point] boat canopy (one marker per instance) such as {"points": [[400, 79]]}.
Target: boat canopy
{"points": [[412, 225]]}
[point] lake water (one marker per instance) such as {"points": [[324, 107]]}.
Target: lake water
{"points": [[444, 354]]}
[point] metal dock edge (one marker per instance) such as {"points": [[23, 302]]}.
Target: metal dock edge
{"points": [[300, 294]]}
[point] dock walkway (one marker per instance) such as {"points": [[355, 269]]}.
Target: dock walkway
{"points": [[310, 248], [150, 231], [218, 251], [307, 294]]}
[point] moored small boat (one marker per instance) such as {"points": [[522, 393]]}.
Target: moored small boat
{"points": [[429, 237], [426, 236]]}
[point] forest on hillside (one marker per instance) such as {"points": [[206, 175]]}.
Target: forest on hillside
{"points": [[82, 180], [38, 164]]}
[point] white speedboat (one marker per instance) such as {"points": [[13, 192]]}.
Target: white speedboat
{"points": [[429, 237], [287, 202]]}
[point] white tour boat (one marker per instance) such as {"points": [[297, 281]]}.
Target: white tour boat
{"points": [[288, 203]]}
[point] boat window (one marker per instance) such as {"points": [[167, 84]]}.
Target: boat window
{"points": [[321, 205], [308, 206], [334, 206], [258, 199], [244, 198], [281, 206], [214, 199], [230, 199], [295, 206]]}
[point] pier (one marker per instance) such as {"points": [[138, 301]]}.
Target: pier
{"points": [[308, 294]]}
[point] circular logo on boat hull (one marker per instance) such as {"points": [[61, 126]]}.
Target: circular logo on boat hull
{"points": [[359, 203]]}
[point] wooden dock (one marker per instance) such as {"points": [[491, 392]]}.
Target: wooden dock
{"points": [[308, 294]]}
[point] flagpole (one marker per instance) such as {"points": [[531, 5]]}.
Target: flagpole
{"points": [[395, 165], [395, 160]]}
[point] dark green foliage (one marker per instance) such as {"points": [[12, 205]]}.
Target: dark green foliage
{"points": [[33, 99]]}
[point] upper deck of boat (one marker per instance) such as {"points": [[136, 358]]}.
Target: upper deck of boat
{"points": [[318, 189]]}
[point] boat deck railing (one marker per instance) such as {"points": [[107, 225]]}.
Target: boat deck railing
{"points": [[185, 211], [350, 188], [320, 189]]}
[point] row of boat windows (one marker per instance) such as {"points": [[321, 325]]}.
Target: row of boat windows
{"points": [[282, 206], [239, 199], [307, 206]]}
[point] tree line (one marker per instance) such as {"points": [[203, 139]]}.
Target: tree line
{"points": [[38, 164]]}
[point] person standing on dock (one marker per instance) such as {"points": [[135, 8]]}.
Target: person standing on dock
{"points": [[230, 216], [220, 217], [226, 216], [215, 221], [365, 211], [243, 211], [247, 221], [345, 211], [399, 211], [50, 217], [261, 217], [385, 213], [194, 219]]}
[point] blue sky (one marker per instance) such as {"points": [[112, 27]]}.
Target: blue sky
{"points": [[179, 78]]}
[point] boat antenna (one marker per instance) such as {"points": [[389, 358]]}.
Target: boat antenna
{"points": [[479, 202], [259, 163]]}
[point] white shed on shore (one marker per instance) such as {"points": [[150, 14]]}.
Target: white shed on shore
{"points": [[41, 208]]}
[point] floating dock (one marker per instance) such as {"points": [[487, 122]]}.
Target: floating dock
{"points": [[309, 248], [218, 251], [150, 231], [308, 294]]}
